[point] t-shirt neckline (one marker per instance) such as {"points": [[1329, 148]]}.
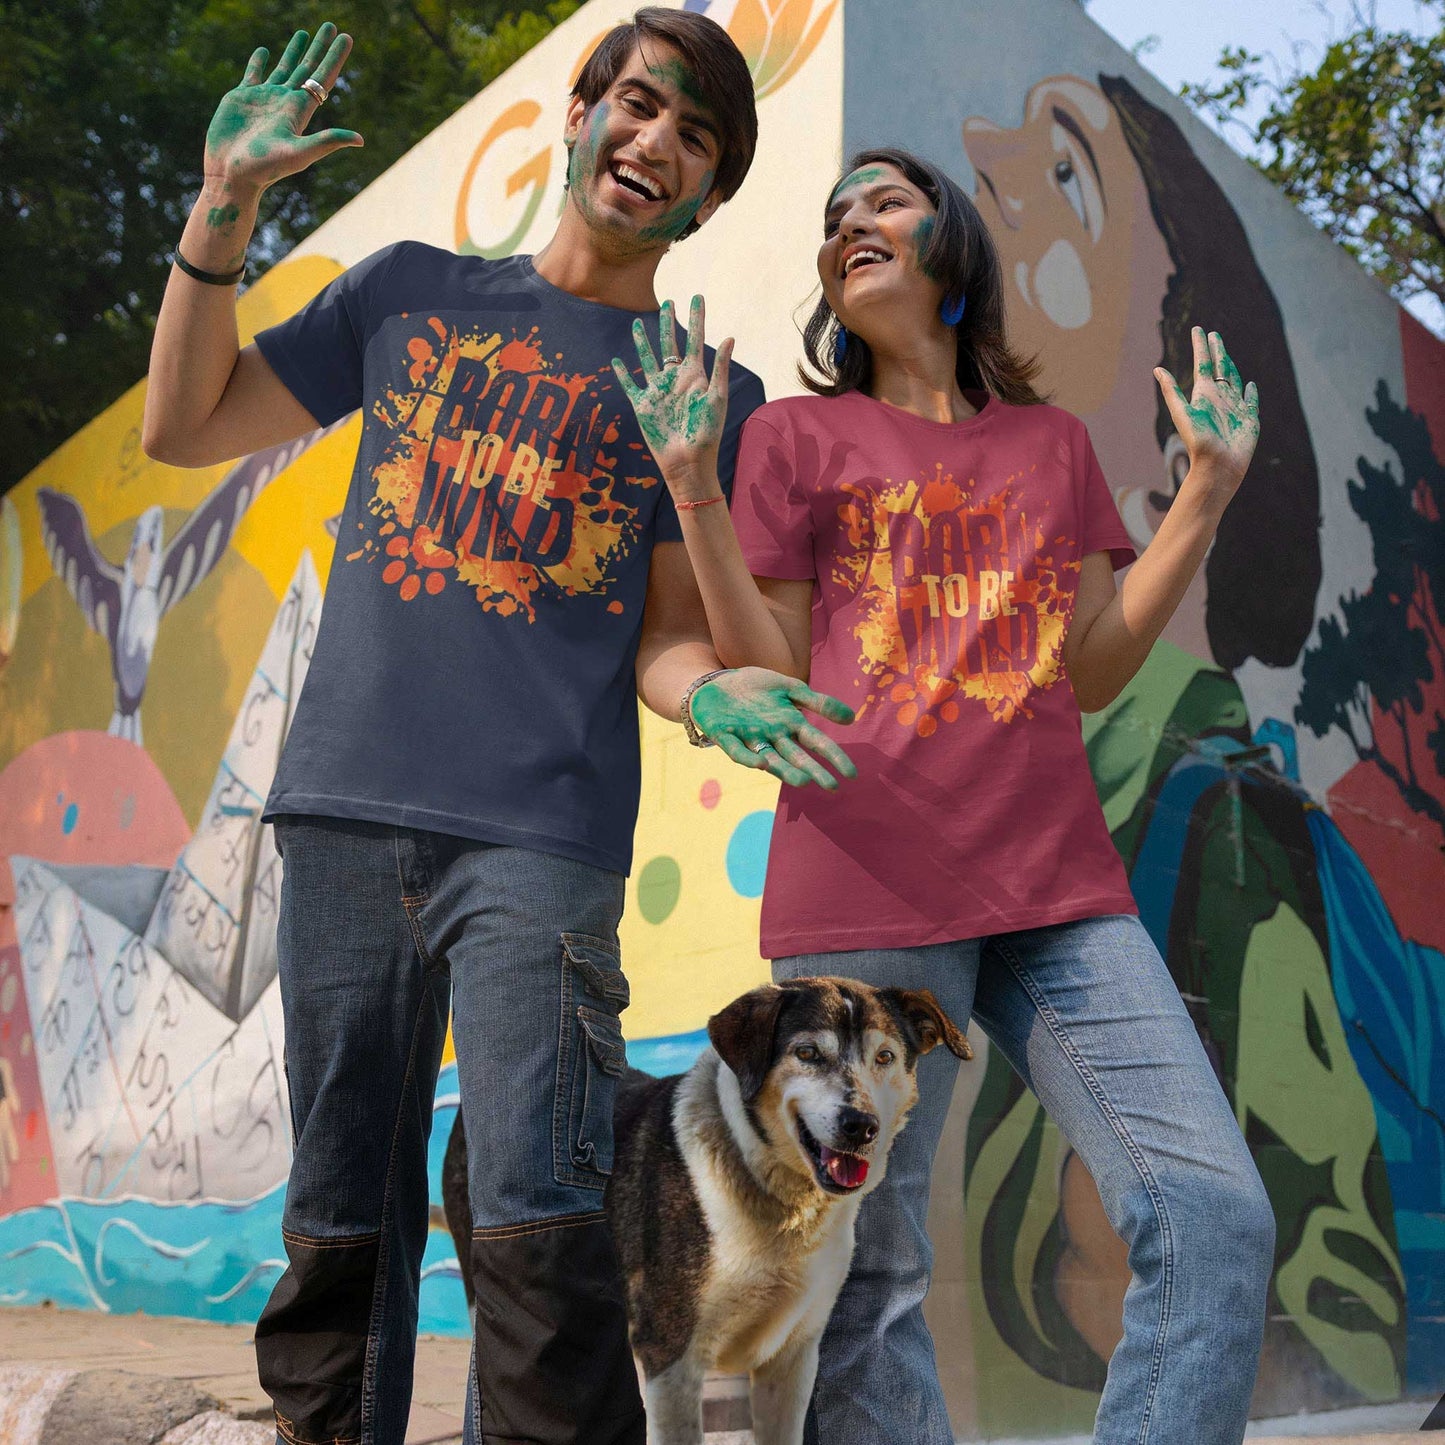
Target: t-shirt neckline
{"points": [[988, 408], [545, 288]]}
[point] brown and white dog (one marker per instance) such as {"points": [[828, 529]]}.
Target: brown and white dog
{"points": [[736, 1185]]}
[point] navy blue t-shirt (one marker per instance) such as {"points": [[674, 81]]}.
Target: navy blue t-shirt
{"points": [[473, 671]]}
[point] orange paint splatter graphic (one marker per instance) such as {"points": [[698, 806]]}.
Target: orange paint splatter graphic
{"points": [[499, 474], [958, 602]]}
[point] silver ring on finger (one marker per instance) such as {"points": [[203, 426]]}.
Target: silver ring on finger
{"points": [[317, 89], [763, 747]]}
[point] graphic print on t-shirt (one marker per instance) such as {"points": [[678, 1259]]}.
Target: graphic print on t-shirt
{"points": [[959, 602], [500, 474]]}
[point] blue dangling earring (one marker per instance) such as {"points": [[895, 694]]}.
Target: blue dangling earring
{"points": [[952, 311], [840, 347]]}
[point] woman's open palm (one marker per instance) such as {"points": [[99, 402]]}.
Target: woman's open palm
{"points": [[257, 134], [1219, 423]]}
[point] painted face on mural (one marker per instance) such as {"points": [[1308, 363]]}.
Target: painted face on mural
{"points": [[1085, 273], [1062, 193], [642, 160], [875, 234]]}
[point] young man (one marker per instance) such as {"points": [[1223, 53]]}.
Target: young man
{"points": [[457, 795]]}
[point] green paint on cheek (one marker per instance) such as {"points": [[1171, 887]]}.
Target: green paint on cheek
{"points": [[582, 163], [922, 237], [678, 216], [219, 216]]}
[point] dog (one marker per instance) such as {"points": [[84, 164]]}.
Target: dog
{"points": [[735, 1188]]}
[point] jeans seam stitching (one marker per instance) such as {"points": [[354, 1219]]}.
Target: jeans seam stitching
{"points": [[312, 1241], [1136, 1157], [541, 1226], [411, 905], [383, 1257]]}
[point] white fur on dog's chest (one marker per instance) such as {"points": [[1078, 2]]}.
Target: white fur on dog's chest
{"points": [[765, 1285]]}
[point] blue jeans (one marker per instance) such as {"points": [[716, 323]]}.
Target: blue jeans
{"points": [[1091, 1020], [378, 925]]}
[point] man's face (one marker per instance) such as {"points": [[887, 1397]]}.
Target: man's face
{"points": [[643, 158]]}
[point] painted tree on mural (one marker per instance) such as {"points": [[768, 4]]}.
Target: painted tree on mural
{"points": [[1369, 672]]}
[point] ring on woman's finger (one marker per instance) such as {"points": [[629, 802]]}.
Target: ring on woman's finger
{"points": [[763, 747], [317, 89]]}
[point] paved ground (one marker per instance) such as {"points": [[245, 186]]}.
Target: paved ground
{"points": [[218, 1361], [63, 1370]]}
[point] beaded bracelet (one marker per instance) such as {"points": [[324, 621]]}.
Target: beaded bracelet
{"points": [[693, 506], [695, 734]]}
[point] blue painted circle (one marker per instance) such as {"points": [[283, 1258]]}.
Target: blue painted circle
{"points": [[747, 855]]}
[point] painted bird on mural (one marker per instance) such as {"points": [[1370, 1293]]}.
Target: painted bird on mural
{"points": [[125, 603]]}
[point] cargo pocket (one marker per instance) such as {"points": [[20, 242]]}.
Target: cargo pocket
{"points": [[591, 1057]]}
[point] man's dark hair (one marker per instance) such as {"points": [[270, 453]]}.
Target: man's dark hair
{"points": [[724, 82], [961, 254]]}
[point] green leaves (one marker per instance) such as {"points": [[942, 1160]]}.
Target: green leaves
{"points": [[103, 115], [1358, 143]]}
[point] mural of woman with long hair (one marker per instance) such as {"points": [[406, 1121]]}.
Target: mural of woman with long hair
{"points": [[1113, 234]]}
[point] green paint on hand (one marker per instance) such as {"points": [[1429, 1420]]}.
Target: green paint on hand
{"points": [[219, 216]]}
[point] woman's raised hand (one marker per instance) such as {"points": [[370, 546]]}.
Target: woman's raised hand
{"points": [[256, 136], [680, 408], [1219, 424], [755, 716]]}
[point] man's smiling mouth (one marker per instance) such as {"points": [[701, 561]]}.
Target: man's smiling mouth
{"points": [[642, 186]]}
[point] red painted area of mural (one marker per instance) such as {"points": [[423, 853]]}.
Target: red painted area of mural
{"points": [[1401, 849], [76, 797]]}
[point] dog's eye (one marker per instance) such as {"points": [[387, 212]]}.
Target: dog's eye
{"points": [[885, 1057], [807, 1054]]}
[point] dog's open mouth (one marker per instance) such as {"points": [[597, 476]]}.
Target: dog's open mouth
{"points": [[838, 1173]]}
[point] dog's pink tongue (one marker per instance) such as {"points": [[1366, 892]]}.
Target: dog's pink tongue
{"points": [[847, 1171]]}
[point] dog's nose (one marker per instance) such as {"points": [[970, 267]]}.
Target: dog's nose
{"points": [[856, 1127]]}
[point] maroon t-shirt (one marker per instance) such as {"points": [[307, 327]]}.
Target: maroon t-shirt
{"points": [[945, 559]]}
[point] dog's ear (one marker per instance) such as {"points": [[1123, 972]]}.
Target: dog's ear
{"points": [[742, 1034], [930, 1025]]}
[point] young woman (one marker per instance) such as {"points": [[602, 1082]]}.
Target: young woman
{"points": [[936, 547]]}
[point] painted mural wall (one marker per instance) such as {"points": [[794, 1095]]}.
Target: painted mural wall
{"points": [[1273, 778]]}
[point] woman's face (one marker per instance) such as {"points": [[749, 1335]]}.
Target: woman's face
{"points": [[1063, 197], [875, 231]]}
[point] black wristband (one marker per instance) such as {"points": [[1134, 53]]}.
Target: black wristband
{"points": [[211, 278]]}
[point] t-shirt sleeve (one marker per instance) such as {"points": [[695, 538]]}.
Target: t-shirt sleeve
{"points": [[745, 396], [773, 522], [1103, 530], [318, 353]]}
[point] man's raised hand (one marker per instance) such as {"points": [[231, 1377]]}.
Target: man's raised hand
{"points": [[257, 134]]}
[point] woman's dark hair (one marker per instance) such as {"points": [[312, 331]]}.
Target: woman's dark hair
{"points": [[1263, 573], [961, 254], [724, 82]]}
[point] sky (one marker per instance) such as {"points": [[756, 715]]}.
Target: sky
{"points": [[1181, 43], [1190, 37]]}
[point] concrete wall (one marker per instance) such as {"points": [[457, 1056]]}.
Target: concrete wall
{"points": [[1272, 778]]}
